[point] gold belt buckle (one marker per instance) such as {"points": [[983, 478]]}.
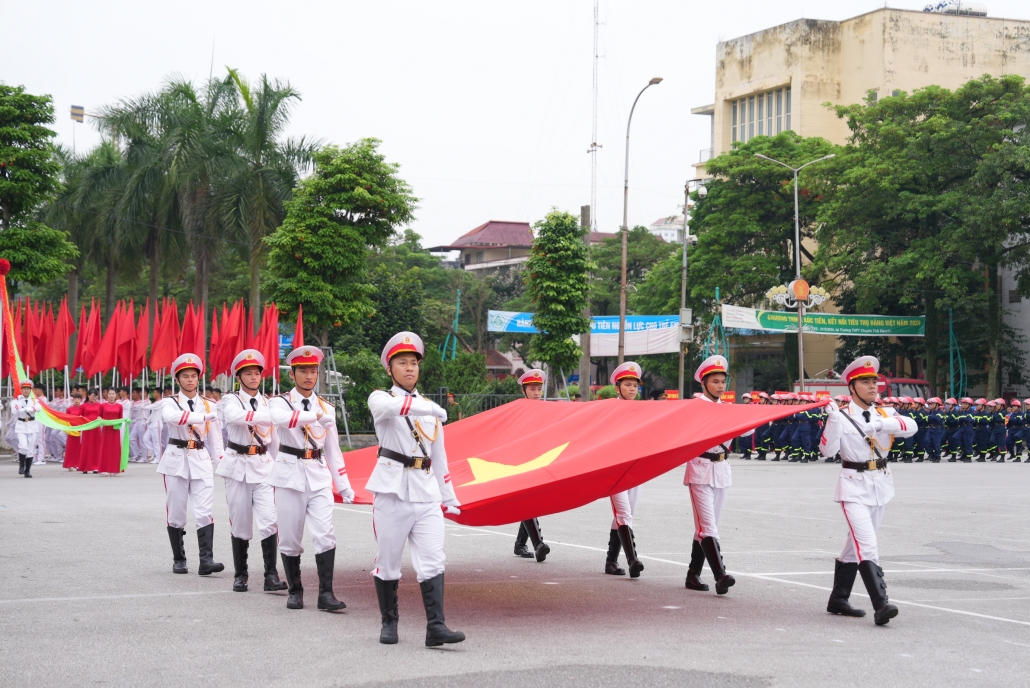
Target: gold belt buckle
{"points": [[191, 444], [307, 454], [418, 463], [722, 457], [251, 450], [870, 465]]}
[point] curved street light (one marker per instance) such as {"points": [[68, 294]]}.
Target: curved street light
{"points": [[625, 230]]}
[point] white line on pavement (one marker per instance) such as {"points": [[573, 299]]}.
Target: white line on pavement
{"points": [[111, 597]]}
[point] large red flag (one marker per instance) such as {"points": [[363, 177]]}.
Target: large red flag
{"points": [[46, 338], [232, 335], [188, 335], [298, 331], [248, 335], [63, 328], [213, 355], [200, 340], [95, 333], [533, 458]]}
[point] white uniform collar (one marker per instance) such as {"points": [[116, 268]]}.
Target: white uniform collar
{"points": [[704, 397], [400, 391], [856, 410], [247, 397]]}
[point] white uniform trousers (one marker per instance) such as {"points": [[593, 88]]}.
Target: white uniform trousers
{"points": [[152, 440], [27, 443], [707, 503], [250, 503], [293, 508], [178, 491], [624, 505], [56, 441], [137, 447], [395, 521], [863, 524]]}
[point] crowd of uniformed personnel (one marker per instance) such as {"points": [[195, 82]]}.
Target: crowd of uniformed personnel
{"points": [[953, 430]]}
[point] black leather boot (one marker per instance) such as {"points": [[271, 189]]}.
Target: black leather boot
{"points": [[239, 563], [843, 581], [629, 546], [611, 564], [776, 457], [325, 563], [21, 464], [872, 576], [269, 546], [437, 632], [28, 466], [175, 536], [291, 569], [723, 580], [697, 563], [520, 542], [540, 548], [386, 591], [205, 542]]}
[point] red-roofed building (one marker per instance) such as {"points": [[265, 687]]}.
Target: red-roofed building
{"points": [[493, 245]]}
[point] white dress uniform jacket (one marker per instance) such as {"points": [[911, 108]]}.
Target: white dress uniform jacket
{"points": [[701, 471], [190, 464], [389, 411], [303, 430], [872, 488], [24, 412], [247, 426]]}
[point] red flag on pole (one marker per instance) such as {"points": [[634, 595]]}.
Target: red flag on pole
{"points": [[28, 354], [63, 328], [139, 352], [269, 346], [95, 333], [248, 335], [164, 348], [125, 341], [298, 331], [106, 356], [80, 342], [213, 356]]}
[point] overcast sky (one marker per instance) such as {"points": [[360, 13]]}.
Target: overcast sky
{"points": [[485, 105]]}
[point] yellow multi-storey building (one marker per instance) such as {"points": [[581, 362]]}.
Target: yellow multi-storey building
{"points": [[782, 77]]}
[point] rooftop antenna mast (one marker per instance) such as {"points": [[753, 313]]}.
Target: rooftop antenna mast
{"points": [[594, 145]]}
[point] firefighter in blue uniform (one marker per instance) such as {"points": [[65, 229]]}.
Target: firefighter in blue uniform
{"points": [[981, 430], [965, 435], [1015, 430], [934, 429], [951, 426], [998, 430], [762, 432], [816, 420], [918, 414]]}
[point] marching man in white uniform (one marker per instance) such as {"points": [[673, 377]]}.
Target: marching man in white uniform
{"points": [[309, 460], [626, 379], [26, 427], [246, 466], [709, 478], [412, 489], [532, 384], [193, 441], [863, 435]]}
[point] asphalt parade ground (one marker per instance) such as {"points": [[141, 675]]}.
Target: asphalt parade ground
{"points": [[88, 597]]}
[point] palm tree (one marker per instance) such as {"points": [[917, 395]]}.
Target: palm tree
{"points": [[267, 169]]}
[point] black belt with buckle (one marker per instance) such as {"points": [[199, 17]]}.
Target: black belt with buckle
{"points": [[247, 449], [860, 466], [408, 461], [186, 444], [715, 458], [26, 420], [315, 454]]}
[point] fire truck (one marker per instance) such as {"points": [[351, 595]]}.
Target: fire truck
{"points": [[887, 387]]}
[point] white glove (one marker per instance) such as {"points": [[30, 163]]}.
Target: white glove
{"points": [[832, 409], [439, 412], [452, 510], [876, 423], [348, 495], [211, 416]]}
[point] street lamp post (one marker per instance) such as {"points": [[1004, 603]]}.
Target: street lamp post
{"points": [[799, 293], [702, 191], [625, 229]]}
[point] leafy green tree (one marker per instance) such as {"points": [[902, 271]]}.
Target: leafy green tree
{"points": [[319, 256], [464, 374], [363, 373], [28, 166], [557, 283], [38, 254], [644, 250], [929, 203]]}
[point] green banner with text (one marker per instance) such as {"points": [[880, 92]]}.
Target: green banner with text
{"points": [[825, 323]]}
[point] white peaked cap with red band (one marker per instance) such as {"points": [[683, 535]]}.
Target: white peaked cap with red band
{"points": [[712, 364], [863, 366], [533, 376], [26, 383], [247, 358], [188, 361], [402, 343], [630, 370], [305, 356]]}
